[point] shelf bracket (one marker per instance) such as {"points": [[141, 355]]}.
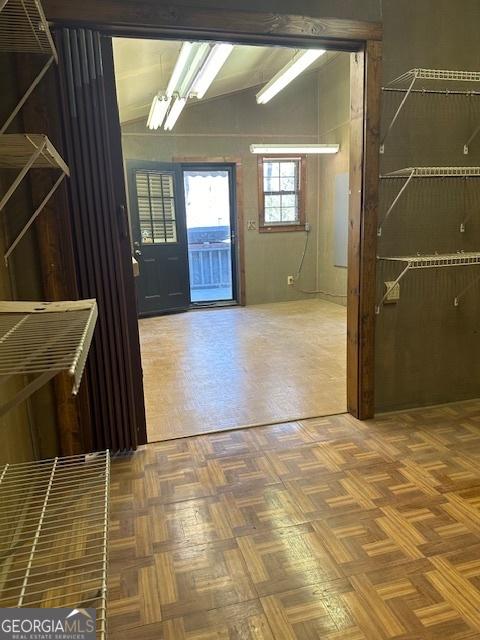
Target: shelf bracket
{"points": [[392, 206], [22, 174], [456, 300], [390, 289], [33, 218], [397, 113], [27, 391], [27, 94], [466, 146]]}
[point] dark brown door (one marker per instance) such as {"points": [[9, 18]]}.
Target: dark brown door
{"points": [[157, 209]]}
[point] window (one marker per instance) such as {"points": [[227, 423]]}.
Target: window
{"points": [[156, 206], [281, 193]]}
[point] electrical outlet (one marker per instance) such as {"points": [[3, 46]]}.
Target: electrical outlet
{"points": [[307, 227], [290, 280], [394, 292], [251, 225]]}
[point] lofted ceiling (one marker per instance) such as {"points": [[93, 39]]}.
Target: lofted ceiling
{"points": [[143, 67]]}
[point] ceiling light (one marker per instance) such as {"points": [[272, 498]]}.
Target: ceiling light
{"points": [[215, 61], [294, 148], [179, 68], [175, 111], [158, 111], [195, 69], [294, 68]]}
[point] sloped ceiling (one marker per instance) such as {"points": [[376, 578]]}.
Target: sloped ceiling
{"points": [[143, 67]]}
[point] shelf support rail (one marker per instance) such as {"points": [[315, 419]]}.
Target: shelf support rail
{"points": [[27, 94], [398, 111], [392, 206], [391, 288]]}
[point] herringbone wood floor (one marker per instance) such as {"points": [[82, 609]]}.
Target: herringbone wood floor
{"points": [[326, 529]]}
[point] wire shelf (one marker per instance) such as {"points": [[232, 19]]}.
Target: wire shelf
{"points": [[432, 261], [435, 75], [437, 260], [427, 81], [409, 173], [24, 29], [53, 534], [28, 151], [39, 340], [434, 172]]}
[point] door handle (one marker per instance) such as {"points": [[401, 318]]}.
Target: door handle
{"points": [[137, 252]]}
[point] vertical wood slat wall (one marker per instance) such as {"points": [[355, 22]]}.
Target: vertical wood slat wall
{"points": [[100, 238]]}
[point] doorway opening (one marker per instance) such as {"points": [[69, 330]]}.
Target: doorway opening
{"points": [[238, 201], [211, 222], [183, 222]]}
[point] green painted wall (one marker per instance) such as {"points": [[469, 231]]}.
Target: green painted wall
{"points": [[333, 127], [428, 351], [226, 127]]}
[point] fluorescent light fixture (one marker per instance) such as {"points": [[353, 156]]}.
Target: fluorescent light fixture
{"points": [[195, 69], [179, 68], [294, 68], [158, 111], [195, 64], [215, 61], [175, 111], [294, 148]]}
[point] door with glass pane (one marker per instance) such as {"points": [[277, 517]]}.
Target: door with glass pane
{"points": [[210, 212], [157, 210]]}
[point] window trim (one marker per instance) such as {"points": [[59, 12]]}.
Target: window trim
{"points": [[282, 227]]}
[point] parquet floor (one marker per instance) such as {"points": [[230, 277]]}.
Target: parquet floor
{"points": [[326, 529], [224, 368]]}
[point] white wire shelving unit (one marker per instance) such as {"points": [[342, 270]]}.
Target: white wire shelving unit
{"points": [[24, 29], [411, 173], [432, 81], [432, 261], [39, 340], [53, 535], [28, 151]]}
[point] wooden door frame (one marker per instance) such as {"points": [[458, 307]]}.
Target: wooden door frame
{"points": [[239, 219], [149, 18]]}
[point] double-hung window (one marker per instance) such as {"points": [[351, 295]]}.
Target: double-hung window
{"points": [[281, 193]]}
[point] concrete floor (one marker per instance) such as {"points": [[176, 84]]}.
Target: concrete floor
{"points": [[218, 369]]}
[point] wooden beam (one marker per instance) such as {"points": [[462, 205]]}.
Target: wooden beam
{"points": [[368, 249], [151, 16], [362, 239]]}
